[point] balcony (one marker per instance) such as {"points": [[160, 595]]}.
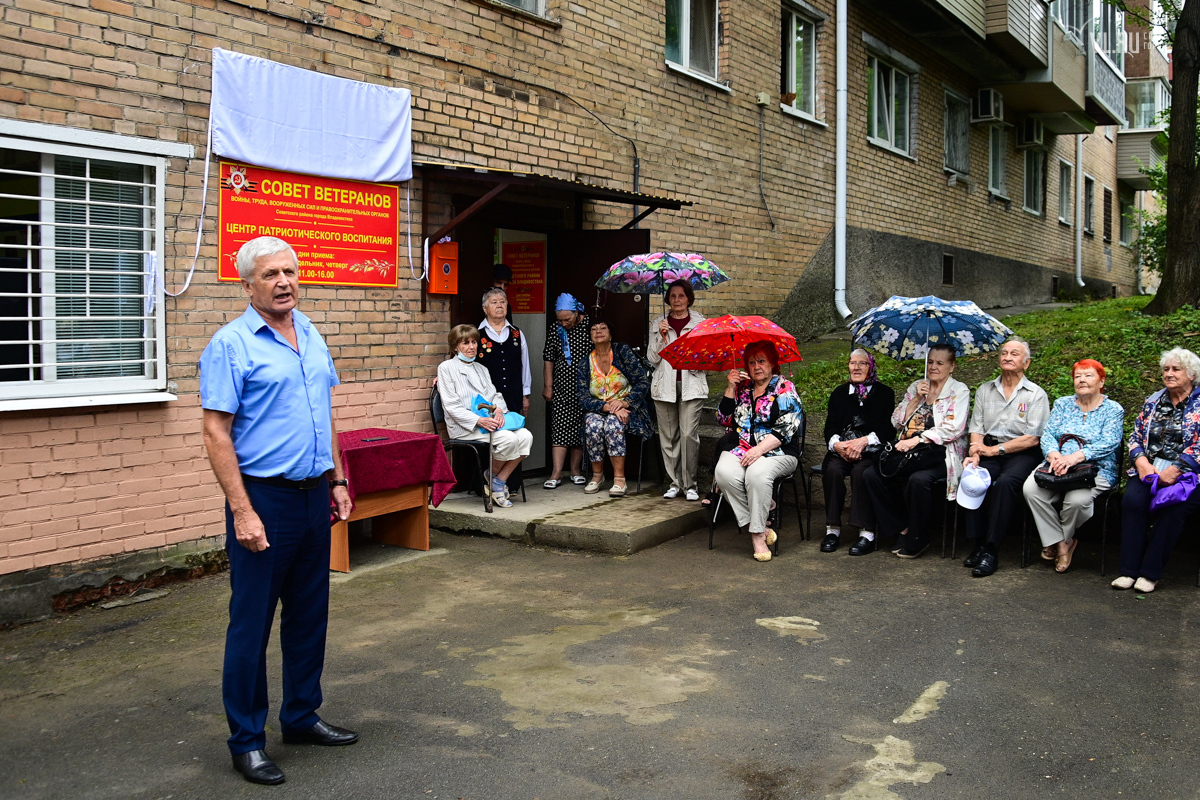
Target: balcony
{"points": [[1138, 148], [1017, 28], [1105, 88], [1057, 93]]}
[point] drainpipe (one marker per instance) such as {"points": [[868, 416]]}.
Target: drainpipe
{"points": [[839, 219], [1079, 209], [1141, 201]]}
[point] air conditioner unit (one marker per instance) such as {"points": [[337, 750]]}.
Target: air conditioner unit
{"points": [[988, 106], [1031, 134]]}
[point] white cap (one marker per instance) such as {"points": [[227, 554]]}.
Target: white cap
{"points": [[973, 487]]}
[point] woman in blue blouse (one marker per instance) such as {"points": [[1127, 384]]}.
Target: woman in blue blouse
{"points": [[764, 411], [1099, 422]]}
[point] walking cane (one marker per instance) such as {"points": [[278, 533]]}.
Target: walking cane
{"points": [[487, 489]]}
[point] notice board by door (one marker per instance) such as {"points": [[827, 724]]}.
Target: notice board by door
{"points": [[579, 258]]}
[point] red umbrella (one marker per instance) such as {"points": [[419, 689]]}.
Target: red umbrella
{"points": [[717, 344]]}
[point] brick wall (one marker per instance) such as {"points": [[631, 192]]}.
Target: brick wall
{"points": [[492, 87]]}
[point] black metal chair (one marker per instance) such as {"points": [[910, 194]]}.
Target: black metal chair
{"points": [[1101, 503], [478, 450], [776, 495]]}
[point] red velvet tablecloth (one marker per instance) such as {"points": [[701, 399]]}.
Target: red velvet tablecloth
{"points": [[393, 460]]}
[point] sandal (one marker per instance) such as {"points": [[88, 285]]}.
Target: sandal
{"points": [[710, 498], [1063, 562], [552, 483], [1049, 553], [578, 480]]}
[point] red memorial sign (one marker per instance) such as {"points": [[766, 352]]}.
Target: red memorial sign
{"points": [[344, 232], [527, 260]]}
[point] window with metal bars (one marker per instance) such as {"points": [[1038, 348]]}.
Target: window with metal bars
{"points": [[80, 306]]}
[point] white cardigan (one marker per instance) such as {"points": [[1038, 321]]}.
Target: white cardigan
{"points": [[662, 386], [458, 383]]}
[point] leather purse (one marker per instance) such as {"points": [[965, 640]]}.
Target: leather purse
{"points": [[858, 429], [899, 464], [1078, 476]]}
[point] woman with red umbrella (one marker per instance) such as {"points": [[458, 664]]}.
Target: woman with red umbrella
{"points": [[764, 411]]}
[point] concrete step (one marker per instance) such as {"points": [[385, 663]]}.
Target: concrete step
{"points": [[566, 517]]}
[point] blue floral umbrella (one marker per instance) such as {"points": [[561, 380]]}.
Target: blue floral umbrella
{"points": [[906, 327]]}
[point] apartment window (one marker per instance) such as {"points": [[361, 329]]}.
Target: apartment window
{"points": [[1110, 33], [889, 105], [1089, 205], [1073, 14], [532, 6], [799, 78], [692, 35], [958, 134], [1035, 180], [1127, 222], [1108, 215], [1065, 190], [80, 236], [998, 160], [1144, 101]]}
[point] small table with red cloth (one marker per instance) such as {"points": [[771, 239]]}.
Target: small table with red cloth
{"points": [[394, 476]]}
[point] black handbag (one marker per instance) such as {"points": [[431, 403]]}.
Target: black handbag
{"points": [[858, 429], [1078, 476], [898, 464]]}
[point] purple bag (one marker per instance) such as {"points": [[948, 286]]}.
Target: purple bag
{"points": [[1170, 494]]}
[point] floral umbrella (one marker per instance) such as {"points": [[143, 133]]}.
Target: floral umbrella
{"points": [[906, 327], [651, 273], [718, 343]]}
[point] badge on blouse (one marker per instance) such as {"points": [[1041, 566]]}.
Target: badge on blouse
{"points": [[1021, 409]]}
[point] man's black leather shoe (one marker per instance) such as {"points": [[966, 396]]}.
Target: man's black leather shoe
{"points": [[829, 543], [972, 560], [257, 767], [323, 734], [986, 566], [862, 546]]}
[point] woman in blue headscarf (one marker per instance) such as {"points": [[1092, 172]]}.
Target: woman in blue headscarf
{"points": [[564, 351]]}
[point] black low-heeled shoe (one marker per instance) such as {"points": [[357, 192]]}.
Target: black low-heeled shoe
{"points": [[972, 561], [862, 546], [830, 543], [323, 734], [257, 767], [986, 566]]}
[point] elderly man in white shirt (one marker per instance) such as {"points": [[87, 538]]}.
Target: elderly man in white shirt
{"points": [[1006, 428]]}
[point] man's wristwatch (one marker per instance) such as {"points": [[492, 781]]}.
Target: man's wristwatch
{"points": [[1000, 449], [339, 482]]}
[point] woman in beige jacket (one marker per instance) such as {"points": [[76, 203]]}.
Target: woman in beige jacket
{"points": [[678, 394]]}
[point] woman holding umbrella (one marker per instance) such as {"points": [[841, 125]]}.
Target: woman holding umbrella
{"points": [[678, 394], [764, 410]]}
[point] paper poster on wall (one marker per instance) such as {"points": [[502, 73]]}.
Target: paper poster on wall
{"points": [[344, 232], [527, 260]]}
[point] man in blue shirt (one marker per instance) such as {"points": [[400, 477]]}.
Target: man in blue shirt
{"points": [[265, 382]]}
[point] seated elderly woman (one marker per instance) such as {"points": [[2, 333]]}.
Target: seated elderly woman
{"points": [[1165, 443], [611, 386], [931, 422], [764, 411], [1097, 422], [459, 379], [857, 426]]}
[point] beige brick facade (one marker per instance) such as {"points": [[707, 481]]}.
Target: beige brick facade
{"points": [[491, 87]]}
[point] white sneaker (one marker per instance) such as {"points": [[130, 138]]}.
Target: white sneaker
{"points": [[1144, 586], [671, 493], [1123, 582], [692, 495]]}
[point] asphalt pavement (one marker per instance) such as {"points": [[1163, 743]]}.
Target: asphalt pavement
{"points": [[489, 670]]}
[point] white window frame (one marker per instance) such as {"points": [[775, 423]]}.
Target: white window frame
{"points": [[1089, 205], [792, 13], [50, 392], [1066, 191], [684, 62], [998, 150], [964, 104], [1073, 16], [880, 67], [1035, 158], [1126, 226], [539, 6]]}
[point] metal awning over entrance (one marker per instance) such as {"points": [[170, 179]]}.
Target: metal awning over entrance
{"points": [[502, 179]]}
